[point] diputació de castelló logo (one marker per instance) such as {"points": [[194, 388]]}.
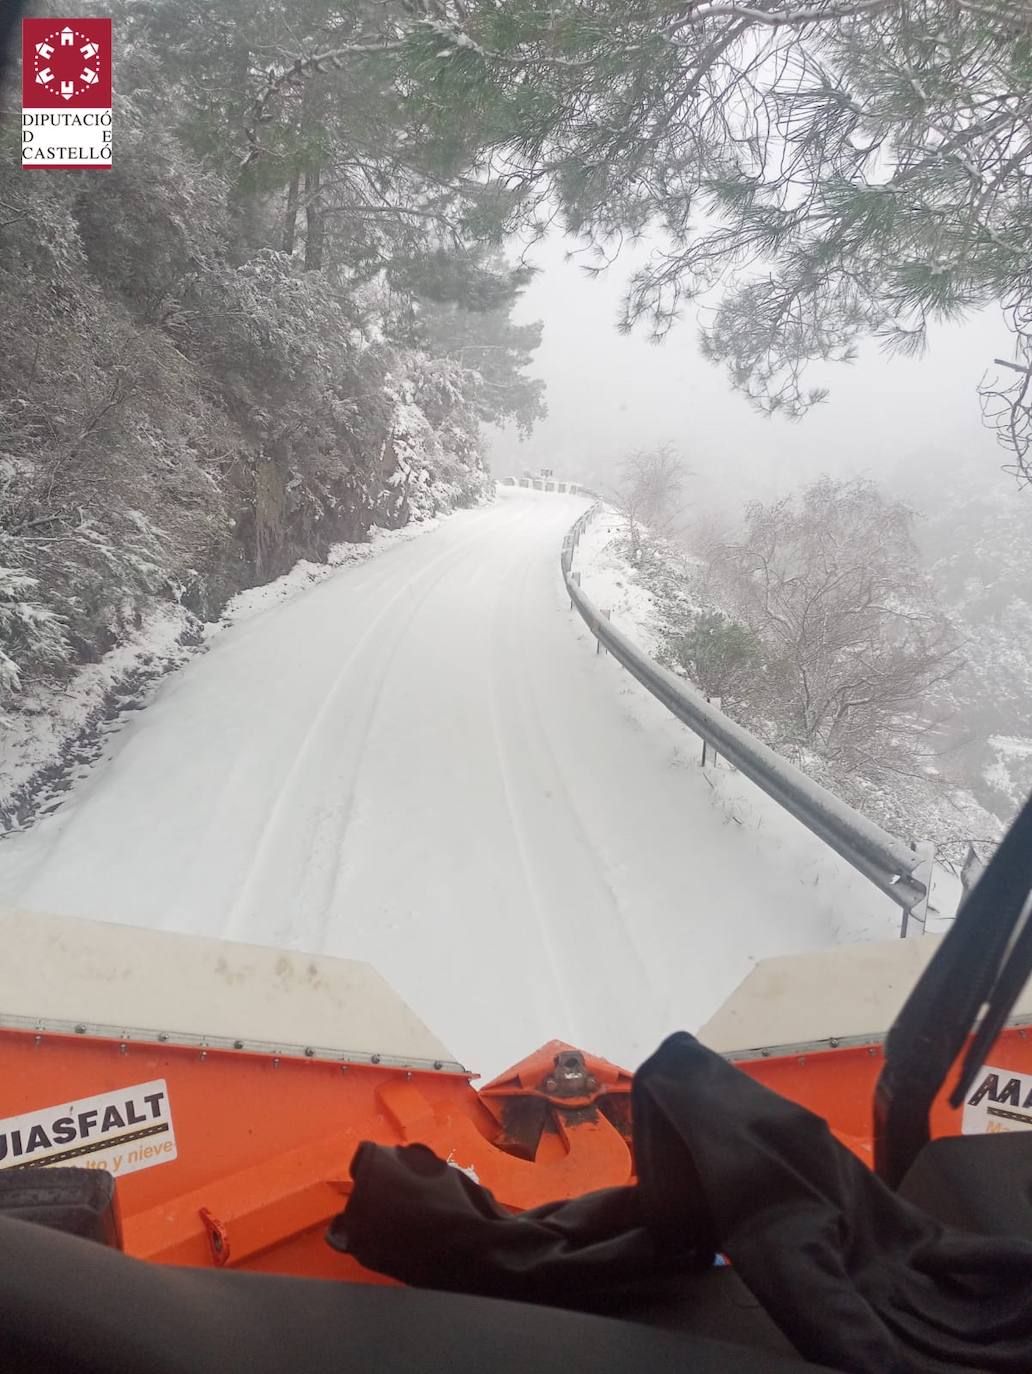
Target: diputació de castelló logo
{"points": [[66, 93]]}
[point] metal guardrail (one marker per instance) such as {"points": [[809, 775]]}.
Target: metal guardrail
{"points": [[547, 484], [902, 871]]}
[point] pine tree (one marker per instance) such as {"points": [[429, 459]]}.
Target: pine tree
{"points": [[832, 171], [212, 370]]}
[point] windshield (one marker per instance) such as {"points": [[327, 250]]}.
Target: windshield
{"points": [[533, 501]]}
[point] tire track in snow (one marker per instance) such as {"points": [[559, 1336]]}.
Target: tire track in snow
{"points": [[584, 862], [243, 920], [330, 885], [524, 852], [27, 867]]}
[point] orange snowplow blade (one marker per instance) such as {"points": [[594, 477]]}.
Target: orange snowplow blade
{"points": [[244, 1159], [226, 1088], [838, 1084], [234, 1157], [230, 1147]]}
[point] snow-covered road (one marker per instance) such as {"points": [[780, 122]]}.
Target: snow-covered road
{"points": [[422, 763]]}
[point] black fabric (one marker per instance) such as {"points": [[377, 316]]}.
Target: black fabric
{"points": [[980, 1183], [68, 1306], [79, 1201], [415, 1217], [856, 1277]]}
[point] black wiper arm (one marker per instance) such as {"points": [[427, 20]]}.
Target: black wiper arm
{"points": [[1012, 979], [979, 961]]}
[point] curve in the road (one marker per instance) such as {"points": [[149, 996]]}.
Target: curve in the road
{"points": [[421, 762]]}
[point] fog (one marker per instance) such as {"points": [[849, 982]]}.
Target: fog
{"points": [[903, 421]]}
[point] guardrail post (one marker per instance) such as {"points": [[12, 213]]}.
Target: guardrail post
{"points": [[600, 648], [713, 701], [925, 850]]}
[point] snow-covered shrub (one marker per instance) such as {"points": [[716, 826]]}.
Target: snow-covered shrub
{"points": [[781, 618], [31, 635], [718, 654], [433, 460]]}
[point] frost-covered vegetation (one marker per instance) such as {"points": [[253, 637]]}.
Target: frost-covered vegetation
{"points": [[283, 315], [976, 541], [209, 371], [819, 173], [882, 653]]}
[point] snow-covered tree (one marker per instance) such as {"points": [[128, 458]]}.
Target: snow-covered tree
{"points": [[210, 372], [828, 581], [30, 634], [832, 170], [651, 492]]}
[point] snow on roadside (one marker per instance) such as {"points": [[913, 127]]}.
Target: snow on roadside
{"points": [[57, 730], [857, 911], [57, 734], [253, 600], [611, 584]]}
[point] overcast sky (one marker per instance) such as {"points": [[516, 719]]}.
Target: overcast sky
{"points": [[889, 418]]}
